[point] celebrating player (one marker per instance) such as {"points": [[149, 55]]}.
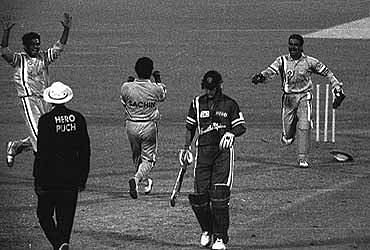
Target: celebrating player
{"points": [[139, 98], [295, 70], [218, 120], [31, 77]]}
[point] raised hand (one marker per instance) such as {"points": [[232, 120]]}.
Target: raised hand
{"points": [[157, 76], [7, 23], [67, 21], [7, 26]]}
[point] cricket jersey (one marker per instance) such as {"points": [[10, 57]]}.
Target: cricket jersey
{"points": [[214, 117], [140, 99], [296, 74], [31, 75]]}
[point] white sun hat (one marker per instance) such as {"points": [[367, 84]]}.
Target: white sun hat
{"points": [[58, 93]]}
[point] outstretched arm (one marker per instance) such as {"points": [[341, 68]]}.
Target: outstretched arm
{"points": [[67, 22], [321, 69], [5, 52], [268, 73]]}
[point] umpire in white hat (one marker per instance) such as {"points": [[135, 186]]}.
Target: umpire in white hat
{"points": [[61, 166]]}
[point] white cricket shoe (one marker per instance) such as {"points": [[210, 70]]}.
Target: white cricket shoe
{"points": [[303, 163], [10, 153], [148, 188], [205, 239], [219, 245]]}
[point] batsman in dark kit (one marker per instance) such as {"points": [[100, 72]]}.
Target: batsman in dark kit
{"points": [[218, 120]]}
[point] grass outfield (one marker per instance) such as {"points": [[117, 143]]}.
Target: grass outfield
{"points": [[273, 205]]}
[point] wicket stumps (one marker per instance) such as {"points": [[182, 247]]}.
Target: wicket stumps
{"points": [[326, 114]]}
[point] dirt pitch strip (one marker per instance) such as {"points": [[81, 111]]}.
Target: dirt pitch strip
{"points": [[274, 205]]}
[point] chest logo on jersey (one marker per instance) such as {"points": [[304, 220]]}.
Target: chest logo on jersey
{"points": [[204, 114], [221, 113], [289, 74]]}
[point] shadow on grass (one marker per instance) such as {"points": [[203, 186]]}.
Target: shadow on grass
{"points": [[128, 241], [335, 243]]}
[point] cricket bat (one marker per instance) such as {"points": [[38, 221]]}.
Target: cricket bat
{"points": [[180, 177], [177, 187]]}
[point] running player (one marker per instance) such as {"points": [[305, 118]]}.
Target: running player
{"points": [[295, 70], [31, 77], [218, 120], [139, 98]]}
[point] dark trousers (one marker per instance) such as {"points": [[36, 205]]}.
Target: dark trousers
{"points": [[62, 204], [213, 176], [213, 167]]}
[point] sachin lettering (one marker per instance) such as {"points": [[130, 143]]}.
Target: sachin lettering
{"points": [[65, 123], [141, 104]]}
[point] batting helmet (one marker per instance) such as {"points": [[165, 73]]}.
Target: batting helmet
{"points": [[211, 80]]}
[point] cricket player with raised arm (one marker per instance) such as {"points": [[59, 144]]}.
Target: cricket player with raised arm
{"points": [[140, 97], [295, 70], [217, 120], [31, 78]]}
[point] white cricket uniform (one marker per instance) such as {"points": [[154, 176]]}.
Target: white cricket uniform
{"points": [[140, 99], [297, 88], [31, 77], [297, 98], [296, 74]]}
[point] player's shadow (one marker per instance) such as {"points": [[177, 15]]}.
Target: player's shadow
{"points": [[118, 240]]}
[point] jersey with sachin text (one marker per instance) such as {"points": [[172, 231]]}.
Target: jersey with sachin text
{"points": [[140, 98]]}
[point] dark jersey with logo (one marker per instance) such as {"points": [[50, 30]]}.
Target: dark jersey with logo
{"points": [[213, 117], [63, 155]]}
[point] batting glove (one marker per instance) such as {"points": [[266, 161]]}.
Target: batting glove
{"points": [[338, 97], [258, 78], [185, 157], [227, 141], [157, 76]]}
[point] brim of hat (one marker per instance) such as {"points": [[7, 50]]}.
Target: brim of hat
{"points": [[341, 156], [53, 100]]}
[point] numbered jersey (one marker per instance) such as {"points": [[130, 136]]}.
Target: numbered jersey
{"points": [[296, 74]]}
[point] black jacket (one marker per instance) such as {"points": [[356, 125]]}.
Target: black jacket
{"points": [[63, 150]]}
